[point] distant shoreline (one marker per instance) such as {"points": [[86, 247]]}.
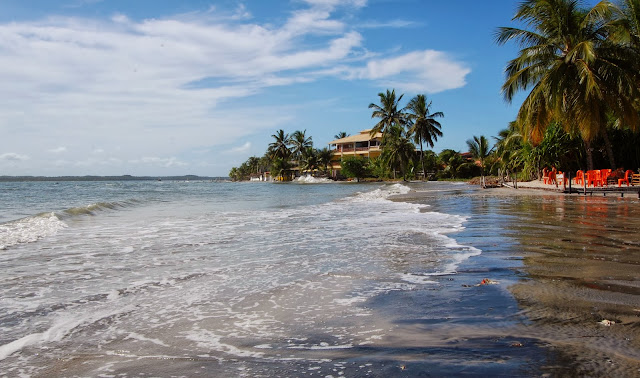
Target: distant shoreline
{"points": [[108, 178]]}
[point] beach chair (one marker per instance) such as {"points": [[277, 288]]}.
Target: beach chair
{"points": [[579, 179], [604, 175], [627, 175], [635, 179], [593, 178]]}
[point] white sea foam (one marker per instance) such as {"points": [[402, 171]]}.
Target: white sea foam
{"points": [[232, 283], [29, 229], [59, 328], [312, 180]]}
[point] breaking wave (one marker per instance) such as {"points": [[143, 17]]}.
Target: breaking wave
{"points": [[34, 228]]}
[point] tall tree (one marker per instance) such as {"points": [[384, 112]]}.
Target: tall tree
{"points": [[422, 124], [309, 160], [279, 148], [480, 150], [574, 73], [299, 142], [397, 150], [387, 112], [324, 158]]}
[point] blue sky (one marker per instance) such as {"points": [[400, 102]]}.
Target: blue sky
{"points": [[151, 87]]}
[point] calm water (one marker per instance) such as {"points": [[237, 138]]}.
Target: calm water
{"points": [[186, 278]]}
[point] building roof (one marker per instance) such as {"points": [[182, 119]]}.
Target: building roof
{"points": [[363, 136]]}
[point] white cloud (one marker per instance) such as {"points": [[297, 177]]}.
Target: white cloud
{"points": [[12, 156], [161, 161], [58, 150], [241, 13], [429, 71], [244, 149]]}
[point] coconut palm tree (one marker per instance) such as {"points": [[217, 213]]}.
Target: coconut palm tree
{"points": [[422, 124], [299, 142], [574, 73], [324, 158], [340, 135], [627, 24], [480, 150], [397, 150], [309, 160], [279, 148], [388, 112]]}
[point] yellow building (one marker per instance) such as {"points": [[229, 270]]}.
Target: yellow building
{"points": [[362, 144]]}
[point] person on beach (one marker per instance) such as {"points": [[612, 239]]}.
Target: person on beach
{"points": [[545, 172]]}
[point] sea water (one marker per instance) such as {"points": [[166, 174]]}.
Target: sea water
{"points": [[218, 278]]}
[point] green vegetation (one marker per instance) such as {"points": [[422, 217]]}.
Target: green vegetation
{"points": [[354, 167], [581, 67]]}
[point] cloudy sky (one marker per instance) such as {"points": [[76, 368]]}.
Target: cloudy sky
{"points": [[171, 87]]}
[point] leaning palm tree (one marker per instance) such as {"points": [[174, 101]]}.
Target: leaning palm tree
{"points": [[480, 150], [423, 125], [279, 148], [574, 73], [388, 112], [397, 150], [299, 142]]}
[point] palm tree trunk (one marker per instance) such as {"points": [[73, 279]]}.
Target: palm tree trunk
{"points": [[607, 144], [424, 171], [587, 147]]}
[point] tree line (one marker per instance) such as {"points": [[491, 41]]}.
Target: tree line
{"points": [[402, 129]]}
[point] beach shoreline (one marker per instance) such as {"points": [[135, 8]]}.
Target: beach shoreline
{"points": [[570, 265]]}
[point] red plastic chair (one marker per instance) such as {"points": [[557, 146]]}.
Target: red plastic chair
{"points": [[626, 178], [579, 179], [604, 174], [593, 178]]}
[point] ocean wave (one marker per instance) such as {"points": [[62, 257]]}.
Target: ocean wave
{"points": [[93, 208], [29, 229], [34, 228]]}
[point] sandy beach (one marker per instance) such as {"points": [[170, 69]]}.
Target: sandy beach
{"points": [[569, 262]]}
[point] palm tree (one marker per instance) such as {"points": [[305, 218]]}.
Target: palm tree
{"points": [[576, 75], [324, 158], [388, 112], [508, 147], [299, 143], [479, 149], [280, 147], [423, 125], [627, 24], [340, 135], [280, 168], [309, 160], [397, 150]]}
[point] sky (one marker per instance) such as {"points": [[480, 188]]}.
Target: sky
{"points": [[174, 87]]}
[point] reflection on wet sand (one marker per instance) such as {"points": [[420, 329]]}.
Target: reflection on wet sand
{"points": [[570, 264], [581, 255]]}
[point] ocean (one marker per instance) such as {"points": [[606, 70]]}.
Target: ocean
{"points": [[227, 278], [315, 279]]}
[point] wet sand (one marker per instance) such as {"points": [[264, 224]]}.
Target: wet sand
{"points": [[568, 298]]}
